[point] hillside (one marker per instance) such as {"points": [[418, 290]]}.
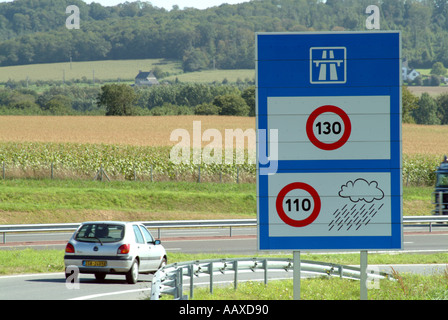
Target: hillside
{"points": [[221, 37], [115, 70]]}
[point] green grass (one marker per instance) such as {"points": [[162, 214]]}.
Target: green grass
{"points": [[51, 201], [104, 70], [209, 76], [112, 70], [408, 287], [417, 201], [75, 200], [31, 261]]}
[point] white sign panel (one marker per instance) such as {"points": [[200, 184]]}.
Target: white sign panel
{"points": [[349, 127], [307, 204]]}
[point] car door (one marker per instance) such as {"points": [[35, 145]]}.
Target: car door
{"points": [[155, 254], [142, 249]]}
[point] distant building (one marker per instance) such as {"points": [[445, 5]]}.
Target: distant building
{"points": [[408, 74], [146, 79]]}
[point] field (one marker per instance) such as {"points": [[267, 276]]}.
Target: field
{"points": [[156, 131], [102, 70], [209, 76], [433, 91], [114, 70], [135, 131], [130, 146]]}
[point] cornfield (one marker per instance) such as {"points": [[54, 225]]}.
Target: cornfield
{"points": [[68, 160], [139, 148]]}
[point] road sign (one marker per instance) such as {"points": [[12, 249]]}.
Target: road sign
{"points": [[334, 102]]}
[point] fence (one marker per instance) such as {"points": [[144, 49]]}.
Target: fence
{"points": [[170, 279], [198, 173]]}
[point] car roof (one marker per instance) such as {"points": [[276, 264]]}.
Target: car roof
{"points": [[110, 222]]}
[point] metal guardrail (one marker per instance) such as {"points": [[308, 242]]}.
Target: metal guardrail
{"points": [[230, 223], [159, 225], [170, 279]]}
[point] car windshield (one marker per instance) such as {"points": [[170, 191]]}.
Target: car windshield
{"points": [[442, 180], [100, 232]]}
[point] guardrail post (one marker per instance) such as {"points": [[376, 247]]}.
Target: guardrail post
{"points": [[191, 271], [265, 266], [296, 275], [363, 275], [180, 283], [235, 278], [210, 270], [4, 237]]}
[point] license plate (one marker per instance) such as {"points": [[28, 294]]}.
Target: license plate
{"points": [[91, 263]]}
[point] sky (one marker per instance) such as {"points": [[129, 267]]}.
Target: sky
{"points": [[168, 4]]}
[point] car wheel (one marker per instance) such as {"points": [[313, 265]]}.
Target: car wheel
{"points": [[163, 263], [132, 274]]}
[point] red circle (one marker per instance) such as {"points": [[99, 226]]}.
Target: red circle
{"points": [[334, 145], [279, 204]]}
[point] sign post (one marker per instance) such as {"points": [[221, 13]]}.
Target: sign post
{"points": [[334, 102]]}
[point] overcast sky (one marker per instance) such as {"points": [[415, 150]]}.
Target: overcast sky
{"points": [[168, 4]]}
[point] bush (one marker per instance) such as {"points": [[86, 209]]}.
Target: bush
{"points": [[207, 109], [231, 105]]}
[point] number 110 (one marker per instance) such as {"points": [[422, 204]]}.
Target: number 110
{"points": [[305, 205]]}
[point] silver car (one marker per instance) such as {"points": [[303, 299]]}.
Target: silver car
{"points": [[105, 247]]}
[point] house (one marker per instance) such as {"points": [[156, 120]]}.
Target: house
{"points": [[409, 75], [146, 79]]}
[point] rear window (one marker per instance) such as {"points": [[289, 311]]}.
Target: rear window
{"points": [[102, 233]]}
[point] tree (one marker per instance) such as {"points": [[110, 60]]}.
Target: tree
{"points": [[206, 109], [442, 102], [438, 69], [249, 96], [195, 60], [426, 113], [118, 99], [231, 105], [409, 103]]}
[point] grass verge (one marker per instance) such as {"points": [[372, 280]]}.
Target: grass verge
{"points": [[408, 287], [60, 201]]}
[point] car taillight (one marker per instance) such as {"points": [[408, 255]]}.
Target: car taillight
{"points": [[69, 248], [124, 249]]}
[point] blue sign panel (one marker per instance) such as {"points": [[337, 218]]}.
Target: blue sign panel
{"points": [[329, 147]]}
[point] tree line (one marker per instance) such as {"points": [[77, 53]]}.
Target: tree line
{"points": [[220, 37], [176, 99], [426, 109], [124, 100]]}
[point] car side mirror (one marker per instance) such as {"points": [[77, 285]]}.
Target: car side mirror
{"points": [[157, 242]]}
